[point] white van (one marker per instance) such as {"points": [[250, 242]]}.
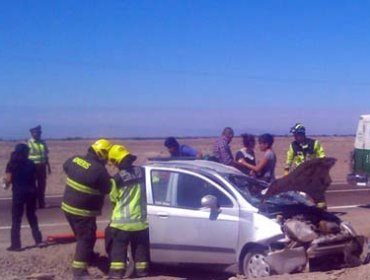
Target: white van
{"points": [[360, 156]]}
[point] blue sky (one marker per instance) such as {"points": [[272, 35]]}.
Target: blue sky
{"points": [[183, 68]]}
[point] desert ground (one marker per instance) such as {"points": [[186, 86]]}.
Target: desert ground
{"points": [[55, 260]]}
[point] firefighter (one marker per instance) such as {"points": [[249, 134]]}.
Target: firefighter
{"points": [[39, 155], [301, 150], [87, 183], [129, 224]]}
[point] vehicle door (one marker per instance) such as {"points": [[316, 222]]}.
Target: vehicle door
{"points": [[362, 147], [181, 230]]}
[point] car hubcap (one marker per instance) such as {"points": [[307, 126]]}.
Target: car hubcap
{"points": [[257, 266]]}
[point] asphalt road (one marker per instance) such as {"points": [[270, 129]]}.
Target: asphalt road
{"points": [[339, 197]]}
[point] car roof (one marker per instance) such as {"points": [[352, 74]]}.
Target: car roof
{"points": [[202, 166]]}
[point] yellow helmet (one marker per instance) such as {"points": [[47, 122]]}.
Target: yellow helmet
{"points": [[101, 148], [117, 153]]}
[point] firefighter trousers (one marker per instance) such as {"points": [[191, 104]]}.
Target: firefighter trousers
{"points": [[84, 228], [139, 241]]}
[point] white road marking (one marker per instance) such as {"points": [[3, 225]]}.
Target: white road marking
{"points": [[344, 207], [48, 196], [348, 190], [52, 225]]}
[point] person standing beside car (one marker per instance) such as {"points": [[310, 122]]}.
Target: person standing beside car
{"points": [[247, 153], [39, 155], [21, 174], [87, 184], [265, 168], [129, 222], [303, 149], [221, 148]]}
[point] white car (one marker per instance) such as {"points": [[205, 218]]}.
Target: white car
{"points": [[203, 212]]}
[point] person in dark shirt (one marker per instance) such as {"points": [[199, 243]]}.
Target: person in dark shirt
{"points": [[21, 174], [247, 153]]}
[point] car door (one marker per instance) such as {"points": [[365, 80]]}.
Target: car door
{"points": [[181, 230]]}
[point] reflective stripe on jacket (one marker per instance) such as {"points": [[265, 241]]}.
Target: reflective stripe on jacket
{"points": [[299, 153], [38, 151], [87, 183], [129, 199]]}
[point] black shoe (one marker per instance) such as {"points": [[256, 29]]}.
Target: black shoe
{"points": [[14, 249], [82, 276], [118, 274], [142, 273]]}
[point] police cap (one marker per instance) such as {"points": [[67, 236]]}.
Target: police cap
{"points": [[36, 129]]}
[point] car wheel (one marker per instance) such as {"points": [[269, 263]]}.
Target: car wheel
{"points": [[255, 264]]}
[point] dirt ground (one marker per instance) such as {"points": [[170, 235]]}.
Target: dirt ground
{"points": [[55, 260]]}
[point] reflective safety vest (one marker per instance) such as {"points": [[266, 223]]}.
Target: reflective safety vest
{"points": [[129, 199], [299, 153], [38, 151], [87, 183]]}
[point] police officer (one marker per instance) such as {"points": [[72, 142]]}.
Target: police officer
{"points": [[301, 150], [87, 183], [39, 155], [129, 224]]}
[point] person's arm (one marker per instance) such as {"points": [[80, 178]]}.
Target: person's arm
{"points": [[255, 168], [47, 158], [7, 179], [319, 150], [105, 182], [289, 159], [113, 195]]}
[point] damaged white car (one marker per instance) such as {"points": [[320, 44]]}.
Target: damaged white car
{"points": [[203, 212]]}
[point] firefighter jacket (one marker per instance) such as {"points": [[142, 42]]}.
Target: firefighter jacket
{"points": [[129, 199], [38, 151], [87, 183], [299, 153]]}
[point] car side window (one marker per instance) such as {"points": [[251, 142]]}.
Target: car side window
{"points": [[183, 190], [160, 187], [191, 189]]}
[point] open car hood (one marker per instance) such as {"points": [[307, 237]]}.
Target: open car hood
{"points": [[311, 177]]}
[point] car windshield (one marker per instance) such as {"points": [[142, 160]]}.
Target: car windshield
{"points": [[251, 189]]}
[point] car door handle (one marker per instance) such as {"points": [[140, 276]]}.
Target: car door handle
{"points": [[162, 215]]}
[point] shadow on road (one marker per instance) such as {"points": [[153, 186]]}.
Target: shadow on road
{"points": [[193, 272]]}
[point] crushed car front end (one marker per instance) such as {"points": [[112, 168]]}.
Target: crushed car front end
{"points": [[314, 239]]}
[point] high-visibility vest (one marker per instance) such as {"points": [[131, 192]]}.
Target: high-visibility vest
{"points": [[129, 199], [299, 153], [38, 151]]}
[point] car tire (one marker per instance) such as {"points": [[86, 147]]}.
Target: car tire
{"points": [[254, 264]]}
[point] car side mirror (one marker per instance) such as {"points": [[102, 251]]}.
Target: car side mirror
{"points": [[210, 201]]}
